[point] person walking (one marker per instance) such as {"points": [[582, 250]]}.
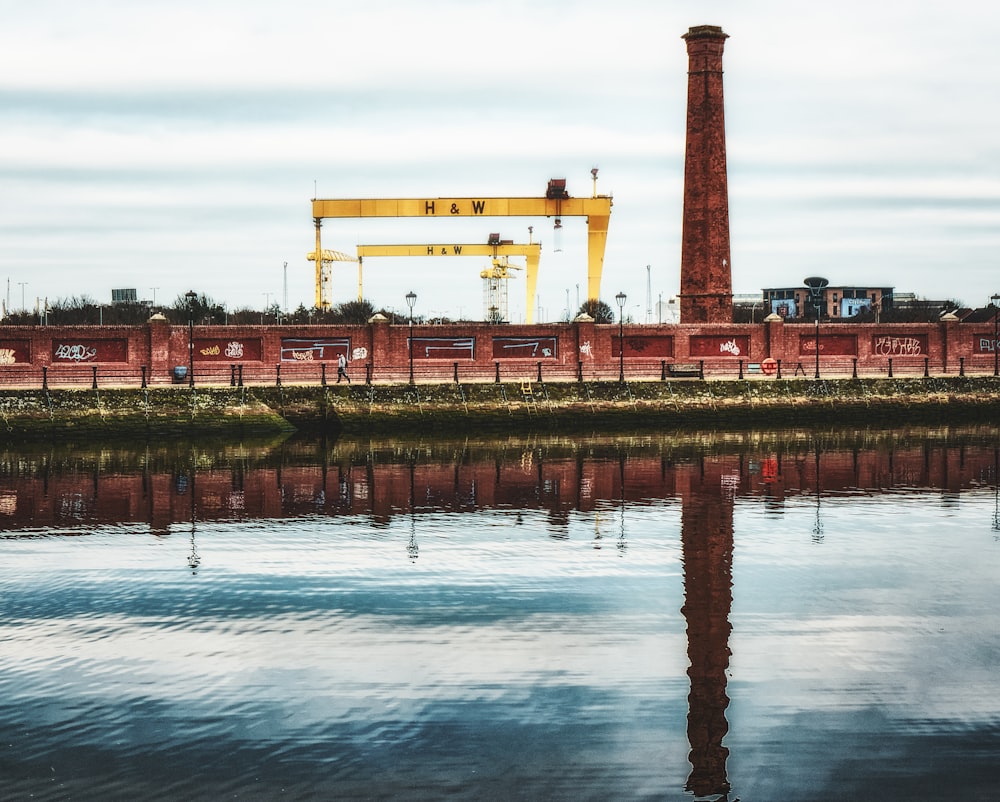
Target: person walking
{"points": [[342, 368]]}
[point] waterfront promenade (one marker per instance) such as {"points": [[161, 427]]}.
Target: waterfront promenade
{"points": [[306, 374]]}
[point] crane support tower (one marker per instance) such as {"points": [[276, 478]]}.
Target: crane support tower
{"points": [[324, 270], [494, 247], [495, 277], [556, 203]]}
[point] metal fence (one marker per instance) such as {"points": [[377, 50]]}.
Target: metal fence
{"points": [[297, 374]]}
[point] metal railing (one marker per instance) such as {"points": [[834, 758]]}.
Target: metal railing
{"points": [[441, 371]]}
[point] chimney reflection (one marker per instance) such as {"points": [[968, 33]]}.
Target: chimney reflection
{"points": [[707, 543]]}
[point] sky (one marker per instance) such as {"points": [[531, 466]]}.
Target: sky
{"points": [[175, 146]]}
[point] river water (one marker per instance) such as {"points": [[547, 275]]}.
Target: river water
{"points": [[753, 616]]}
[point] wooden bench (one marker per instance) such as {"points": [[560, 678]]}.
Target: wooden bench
{"points": [[681, 370]]}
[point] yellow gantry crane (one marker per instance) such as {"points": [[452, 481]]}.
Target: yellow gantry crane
{"points": [[324, 275], [494, 247], [556, 203]]}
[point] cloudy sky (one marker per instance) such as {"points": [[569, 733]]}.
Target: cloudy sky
{"points": [[176, 146]]}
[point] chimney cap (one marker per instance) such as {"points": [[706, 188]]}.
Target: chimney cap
{"points": [[705, 31]]}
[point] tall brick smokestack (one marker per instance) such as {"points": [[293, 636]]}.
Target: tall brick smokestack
{"points": [[706, 273]]}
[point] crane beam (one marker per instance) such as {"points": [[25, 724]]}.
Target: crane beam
{"points": [[596, 209], [531, 251]]}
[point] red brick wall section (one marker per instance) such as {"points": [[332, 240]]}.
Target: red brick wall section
{"points": [[160, 346]]}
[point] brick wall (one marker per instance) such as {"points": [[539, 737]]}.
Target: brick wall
{"points": [[561, 348]]}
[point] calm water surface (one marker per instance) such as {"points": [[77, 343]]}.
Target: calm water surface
{"points": [[757, 616]]}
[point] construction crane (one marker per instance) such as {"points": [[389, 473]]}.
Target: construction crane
{"points": [[324, 274], [556, 203], [495, 280], [493, 247]]}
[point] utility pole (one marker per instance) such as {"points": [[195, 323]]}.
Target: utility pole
{"points": [[649, 297]]}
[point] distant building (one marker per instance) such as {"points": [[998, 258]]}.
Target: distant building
{"points": [[124, 296], [835, 302], [668, 311]]}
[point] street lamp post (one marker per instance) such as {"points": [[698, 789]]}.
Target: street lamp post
{"points": [[817, 346], [411, 299], [621, 297], [994, 299], [191, 295]]}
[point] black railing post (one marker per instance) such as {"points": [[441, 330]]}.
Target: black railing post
{"points": [[663, 370], [579, 370], [854, 372], [322, 374], [927, 367], [890, 367], [455, 365], [94, 385], [701, 368], [368, 373], [778, 374], [45, 378], [232, 375], [539, 372], [961, 366], [741, 369], [497, 379], [239, 375], [277, 375], [143, 377]]}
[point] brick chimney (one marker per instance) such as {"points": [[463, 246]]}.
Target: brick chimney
{"points": [[706, 274]]}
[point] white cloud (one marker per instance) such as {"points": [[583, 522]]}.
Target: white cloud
{"points": [[858, 134]]}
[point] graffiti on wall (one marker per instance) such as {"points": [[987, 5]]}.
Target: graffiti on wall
{"points": [[444, 347], [524, 347], [829, 344], [892, 345], [316, 349], [75, 353], [720, 345], [985, 345], [79, 351], [227, 350], [13, 352], [586, 349], [643, 346]]}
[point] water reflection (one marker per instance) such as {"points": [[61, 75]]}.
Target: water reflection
{"points": [[72, 489], [558, 634]]}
